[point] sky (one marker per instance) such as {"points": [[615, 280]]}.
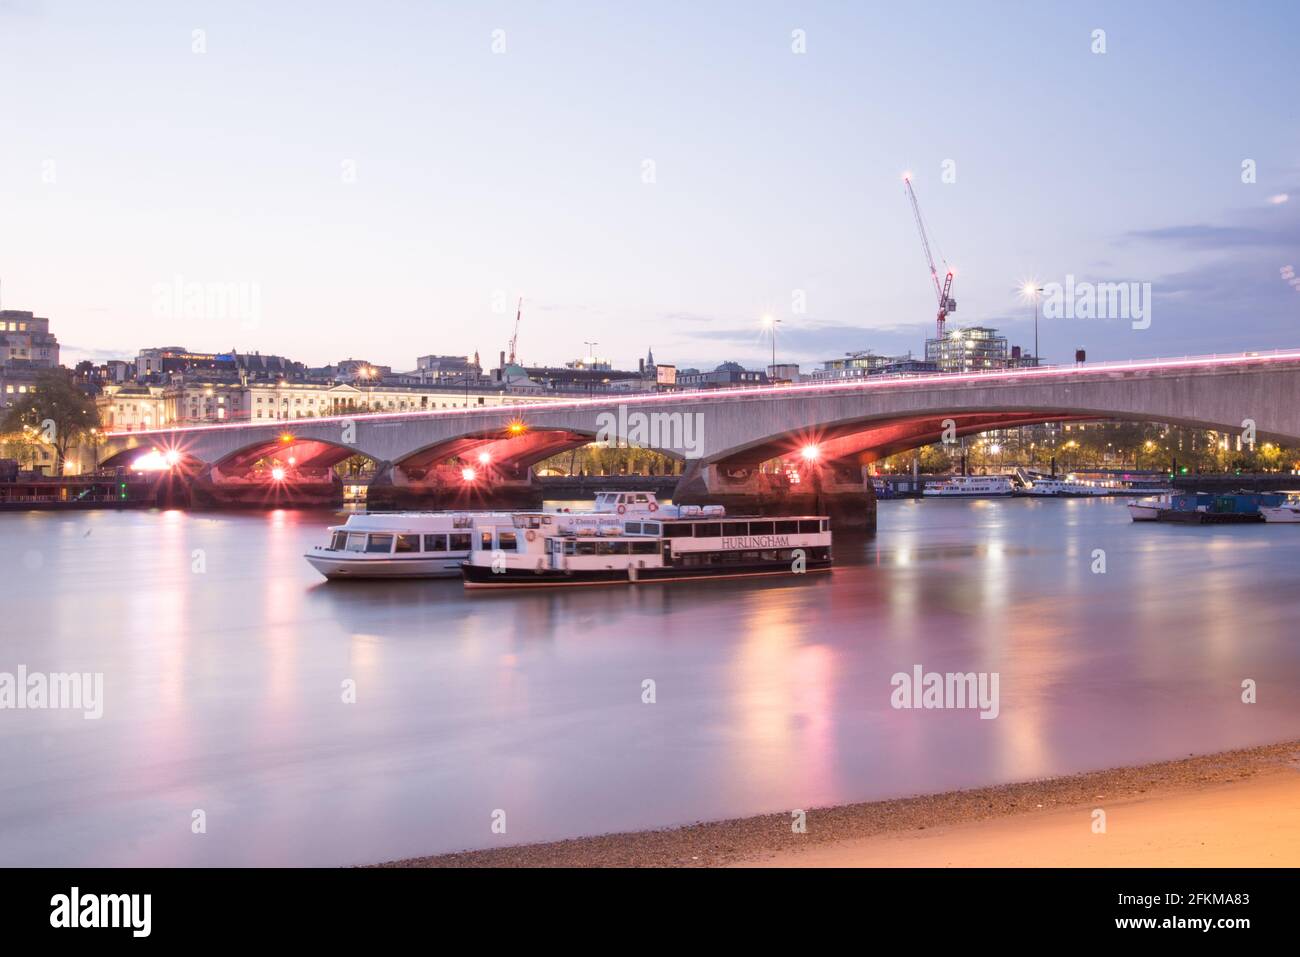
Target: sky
{"points": [[384, 180]]}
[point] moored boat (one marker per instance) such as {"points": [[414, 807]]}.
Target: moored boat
{"points": [[966, 486], [1285, 513], [538, 549], [399, 545], [1065, 488]]}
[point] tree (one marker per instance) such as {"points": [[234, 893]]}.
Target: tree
{"points": [[56, 411]]}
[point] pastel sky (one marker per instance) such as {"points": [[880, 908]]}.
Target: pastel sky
{"points": [[386, 183]]}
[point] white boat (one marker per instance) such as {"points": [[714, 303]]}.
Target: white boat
{"points": [[1065, 488], [1288, 513], [971, 485], [400, 544], [433, 544], [1148, 509], [541, 549]]}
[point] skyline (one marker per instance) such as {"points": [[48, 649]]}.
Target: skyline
{"points": [[482, 176]]}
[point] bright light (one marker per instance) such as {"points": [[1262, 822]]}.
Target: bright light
{"points": [[995, 448], [468, 474], [517, 428], [151, 461], [286, 438], [172, 457], [811, 453], [907, 176], [292, 460], [768, 322], [484, 458], [278, 473], [1029, 290]]}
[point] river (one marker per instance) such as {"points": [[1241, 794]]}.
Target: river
{"points": [[225, 738]]}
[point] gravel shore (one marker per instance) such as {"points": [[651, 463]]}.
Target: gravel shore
{"points": [[745, 839]]}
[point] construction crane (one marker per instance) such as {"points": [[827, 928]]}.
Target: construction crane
{"points": [[941, 290], [514, 340]]}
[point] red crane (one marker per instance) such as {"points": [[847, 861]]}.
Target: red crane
{"points": [[514, 340], [941, 290]]}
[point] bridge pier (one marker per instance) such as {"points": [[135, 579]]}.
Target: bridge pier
{"points": [[211, 488], [444, 488], [839, 489]]}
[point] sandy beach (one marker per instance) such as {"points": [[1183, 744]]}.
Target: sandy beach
{"points": [[1237, 808]]}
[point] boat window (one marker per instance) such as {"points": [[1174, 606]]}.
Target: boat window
{"points": [[508, 541], [787, 528], [459, 543], [438, 543], [633, 528], [650, 528], [733, 529], [809, 526], [356, 541], [760, 528], [380, 543], [485, 540], [826, 524], [675, 530], [586, 548], [641, 498], [408, 543], [645, 548], [570, 548], [708, 529], [611, 548], [339, 541]]}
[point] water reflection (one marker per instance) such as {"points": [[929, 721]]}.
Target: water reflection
{"points": [[225, 660]]}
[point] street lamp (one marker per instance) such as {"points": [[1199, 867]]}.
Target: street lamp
{"points": [[770, 323], [1032, 291]]}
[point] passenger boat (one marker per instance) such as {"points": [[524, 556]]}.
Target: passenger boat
{"points": [[431, 544], [1065, 488], [400, 544], [540, 549], [1287, 513], [965, 486]]}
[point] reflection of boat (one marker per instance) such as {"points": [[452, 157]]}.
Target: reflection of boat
{"points": [[1287, 513], [970, 485], [538, 549]]}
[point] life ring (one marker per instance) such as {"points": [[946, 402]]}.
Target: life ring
{"points": [[530, 535], [654, 507], [622, 509]]}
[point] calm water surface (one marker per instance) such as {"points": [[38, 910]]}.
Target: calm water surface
{"points": [[223, 687]]}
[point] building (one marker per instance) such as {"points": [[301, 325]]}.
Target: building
{"points": [[968, 349], [862, 365], [434, 369], [728, 375], [161, 364], [132, 407], [27, 348], [25, 340]]}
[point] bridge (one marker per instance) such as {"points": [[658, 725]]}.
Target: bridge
{"points": [[823, 435]]}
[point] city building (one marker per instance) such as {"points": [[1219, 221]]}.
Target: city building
{"points": [[160, 364], [861, 365], [968, 349], [726, 376], [27, 348], [25, 339]]}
